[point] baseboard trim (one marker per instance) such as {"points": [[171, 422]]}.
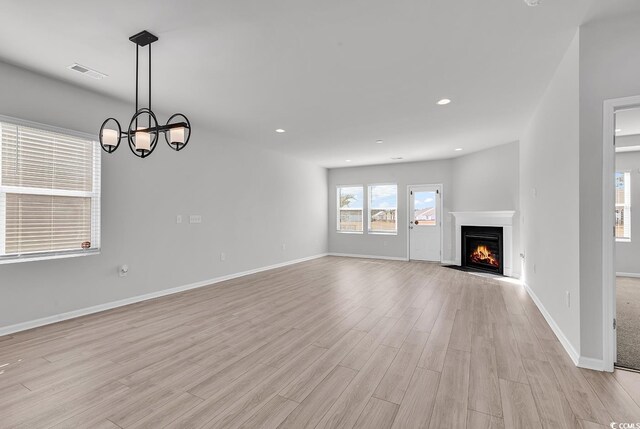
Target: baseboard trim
{"points": [[449, 263], [571, 351], [591, 363], [354, 255], [635, 275], [23, 326]]}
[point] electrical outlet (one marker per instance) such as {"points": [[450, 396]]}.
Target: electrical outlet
{"points": [[179, 219], [568, 299], [223, 256], [284, 247], [123, 270], [195, 219]]}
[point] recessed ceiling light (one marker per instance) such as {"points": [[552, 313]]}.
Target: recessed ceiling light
{"points": [[618, 130], [379, 141], [280, 130], [533, 2], [458, 149], [347, 160], [396, 158], [444, 101]]}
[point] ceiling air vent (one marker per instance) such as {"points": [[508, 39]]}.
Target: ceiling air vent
{"points": [[86, 71]]}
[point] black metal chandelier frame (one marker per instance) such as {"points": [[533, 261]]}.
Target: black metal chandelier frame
{"points": [[152, 130]]}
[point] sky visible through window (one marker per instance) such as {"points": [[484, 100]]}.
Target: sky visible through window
{"points": [[424, 200], [619, 180], [351, 197], [384, 197]]}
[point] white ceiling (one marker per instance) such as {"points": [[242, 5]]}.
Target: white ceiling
{"points": [[336, 74]]}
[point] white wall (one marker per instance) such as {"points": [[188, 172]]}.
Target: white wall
{"points": [[485, 180], [628, 253], [549, 183], [252, 201], [609, 68]]}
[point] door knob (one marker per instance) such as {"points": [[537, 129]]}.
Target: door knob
{"points": [[416, 222]]}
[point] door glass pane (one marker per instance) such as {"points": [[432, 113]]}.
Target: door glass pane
{"points": [[424, 208]]}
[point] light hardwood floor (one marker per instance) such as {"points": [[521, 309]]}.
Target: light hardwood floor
{"points": [[334, 342]]}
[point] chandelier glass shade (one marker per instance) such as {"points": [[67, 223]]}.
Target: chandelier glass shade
{"points": [[143, 132]]}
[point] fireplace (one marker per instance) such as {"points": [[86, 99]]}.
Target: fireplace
{"points": [[482, 248]]}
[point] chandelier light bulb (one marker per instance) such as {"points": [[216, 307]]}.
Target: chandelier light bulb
{"points": [[109, 137], [143, 139], [176, 135]]}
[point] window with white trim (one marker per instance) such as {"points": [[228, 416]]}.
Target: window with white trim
{"points": [[623, 206], [350, 200], [49, 192], [383, 209]]}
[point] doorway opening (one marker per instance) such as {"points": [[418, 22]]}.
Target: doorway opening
{"points": [[621, 229], [627, 246], [425, 223]]}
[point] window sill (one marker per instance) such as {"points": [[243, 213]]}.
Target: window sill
{"points": [[46, 257], [623, 240], [382, 233], [350, 232]]}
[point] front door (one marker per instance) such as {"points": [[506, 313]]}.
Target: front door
{"points": [[425, 222]]}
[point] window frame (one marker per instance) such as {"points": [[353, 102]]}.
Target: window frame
{"points": [[369, 208], [627, 204], [95, 194], [338, 209]]}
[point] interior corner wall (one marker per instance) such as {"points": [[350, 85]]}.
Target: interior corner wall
{"points": [[488, 180], [251, 202], [609, 68], [482, 181], [549, 184]]}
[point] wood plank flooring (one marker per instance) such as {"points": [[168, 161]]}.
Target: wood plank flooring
{"points": [[329, 343]]}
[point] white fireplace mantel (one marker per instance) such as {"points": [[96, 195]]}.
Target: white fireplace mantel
{"points": [[503, 218]]}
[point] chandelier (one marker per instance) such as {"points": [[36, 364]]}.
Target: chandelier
{"points": [[143, 131]]}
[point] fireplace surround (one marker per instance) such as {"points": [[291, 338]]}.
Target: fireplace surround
{"points": [[502, 219]]}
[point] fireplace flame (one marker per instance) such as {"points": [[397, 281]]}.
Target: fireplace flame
{"points": [[483, 255]]}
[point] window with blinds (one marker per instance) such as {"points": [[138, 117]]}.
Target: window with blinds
{"points": [[49, 193]]}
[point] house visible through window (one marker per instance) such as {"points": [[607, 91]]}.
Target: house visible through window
{"points": [[623, 206], [383, 208], [350, 207], [49, 193]]}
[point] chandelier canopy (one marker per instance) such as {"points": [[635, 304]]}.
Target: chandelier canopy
{"points": [[143, 131]]}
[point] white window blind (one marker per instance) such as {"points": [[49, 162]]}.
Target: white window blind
{"points": [[49, 193]]}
